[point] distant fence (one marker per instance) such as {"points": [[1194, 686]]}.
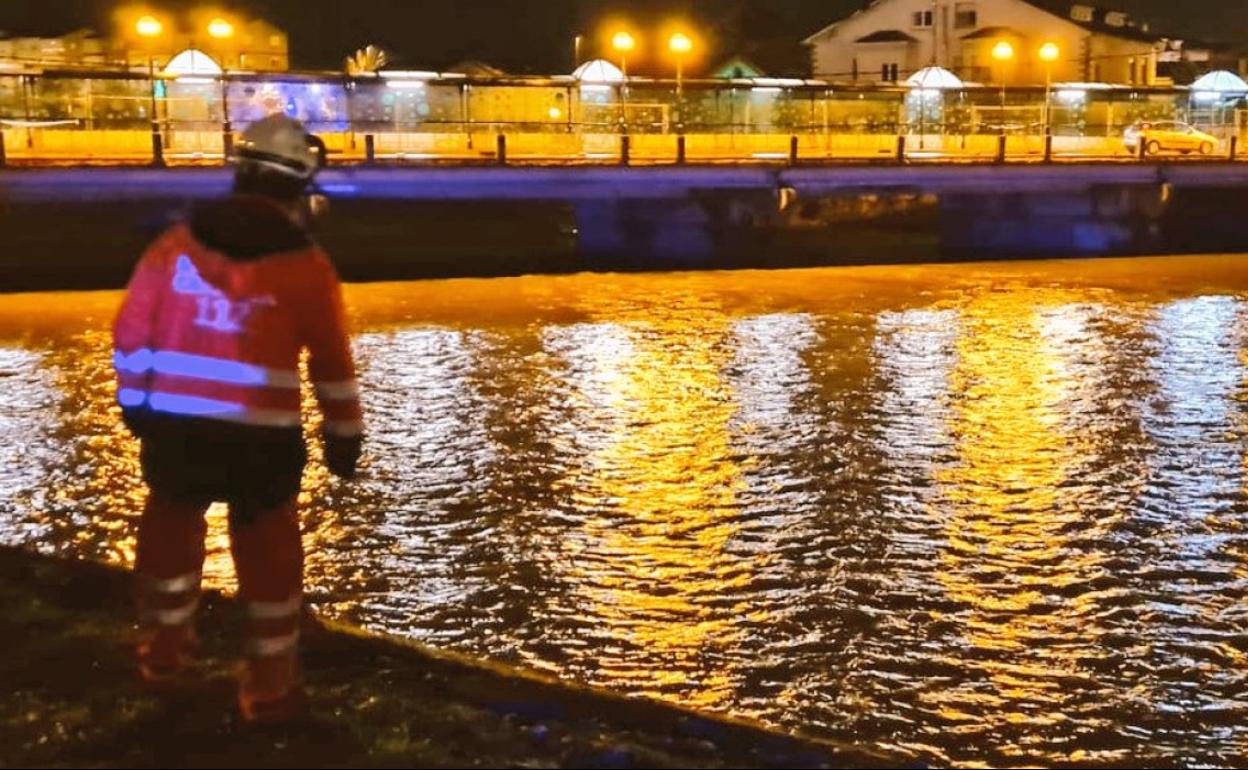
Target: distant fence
{"points": [[124, 118]]}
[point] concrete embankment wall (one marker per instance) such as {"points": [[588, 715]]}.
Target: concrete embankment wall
{"points": [[83, 228]]}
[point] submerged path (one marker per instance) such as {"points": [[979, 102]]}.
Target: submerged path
{"points": [[72, 699]]}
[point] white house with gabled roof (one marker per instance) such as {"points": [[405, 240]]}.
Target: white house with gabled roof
{"points": [[890, 39]]}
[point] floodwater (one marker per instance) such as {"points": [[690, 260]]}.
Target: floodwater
{"points": [[977, 514]]}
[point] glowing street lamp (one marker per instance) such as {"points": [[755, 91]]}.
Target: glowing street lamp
{"points": [[1049, 53], [680, 45], [148, 26], [220, 28], [1003, 52], [624, 43]]}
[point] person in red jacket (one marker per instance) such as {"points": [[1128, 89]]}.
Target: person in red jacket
{"points": [[207, 348]]}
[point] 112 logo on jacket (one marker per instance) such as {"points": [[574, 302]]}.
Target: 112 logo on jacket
{"points": [[215, 310]]}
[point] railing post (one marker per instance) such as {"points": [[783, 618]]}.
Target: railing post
{"points": [[1143, 148], [680, 150], [793, 150], [1048, 144], [227, 140], [500, 152], [901, 148], [1230, 155], [626, 149], [3, 157], [1001, 142], [158, 146], [370, 149]]}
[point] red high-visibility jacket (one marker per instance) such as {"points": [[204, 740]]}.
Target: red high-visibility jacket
{"points": [[205, 335]]}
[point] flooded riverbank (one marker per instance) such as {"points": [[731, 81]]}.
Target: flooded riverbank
{"points": [[975, 513]]}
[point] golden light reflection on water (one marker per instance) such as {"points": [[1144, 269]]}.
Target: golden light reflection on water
{"points": [[1006, 560], [657, 492], [987, 514]]}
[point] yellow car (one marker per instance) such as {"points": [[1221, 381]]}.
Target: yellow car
{"points": [[1168, 136]]}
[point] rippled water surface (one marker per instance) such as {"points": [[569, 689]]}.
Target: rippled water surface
{"points": [[977, 514]]}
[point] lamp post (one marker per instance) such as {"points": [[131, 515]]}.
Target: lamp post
{"points": [[680, 45], [1003, 52], [222, 31], [623, 42], [1049, 52], [149, 28]]}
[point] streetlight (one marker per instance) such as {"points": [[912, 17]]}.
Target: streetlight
{"points": [[1049, 52], [623, 43], [680, 45], [149, 28], [222, 30], [1003, 52]]}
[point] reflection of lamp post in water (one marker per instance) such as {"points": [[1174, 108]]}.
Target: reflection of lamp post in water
{"points": [[1003, 52]]}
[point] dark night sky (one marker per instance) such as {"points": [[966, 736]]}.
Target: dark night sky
{"points": [[535, 35]]}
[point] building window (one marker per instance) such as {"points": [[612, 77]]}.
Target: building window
{"points": [[965, 16], [888, 73], [923, 18], [1081, 13]]}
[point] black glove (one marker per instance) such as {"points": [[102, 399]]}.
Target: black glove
{"points": [[342, 454]]}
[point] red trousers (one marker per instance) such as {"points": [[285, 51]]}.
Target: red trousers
{"points": [[268, 559]]}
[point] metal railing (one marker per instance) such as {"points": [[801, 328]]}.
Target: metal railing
{"points": [[76, 118]]}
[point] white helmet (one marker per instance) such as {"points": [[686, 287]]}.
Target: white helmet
{"points": [[280, 143]]}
